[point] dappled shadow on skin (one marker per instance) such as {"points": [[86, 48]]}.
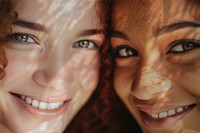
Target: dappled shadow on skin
{"points": [[77, 67], [181, 70]]}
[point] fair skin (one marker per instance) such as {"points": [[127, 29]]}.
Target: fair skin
{"points": [[53, 64], [156, 45]]}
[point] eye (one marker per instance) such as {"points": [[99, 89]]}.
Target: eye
{"points": [[125, 52], [85, 44], [24, 38], [184, 46]]}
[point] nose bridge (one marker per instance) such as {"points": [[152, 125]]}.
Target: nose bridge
{"points": [[151, 81], [52, 69]]}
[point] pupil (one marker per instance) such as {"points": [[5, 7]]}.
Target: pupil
{"points": [[84, 44], [188, 46], [21, 38]]}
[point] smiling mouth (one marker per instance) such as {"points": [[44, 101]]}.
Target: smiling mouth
{"points": [[171, 112], [41, 109], [165, 118], [41, 105]]}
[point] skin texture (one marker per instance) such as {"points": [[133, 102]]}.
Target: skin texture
{"points": [[49, 64], [157, 66]]}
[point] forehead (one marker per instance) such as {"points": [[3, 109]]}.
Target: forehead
{"points": [[144, 15], [49, 12]]}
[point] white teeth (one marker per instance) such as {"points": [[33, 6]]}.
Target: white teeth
{"points": [[180, 109], [154, 115], [23, 97], [171, 112], [163, 115], [168, 113], [35, 103], [28, 100], [52, 106], [41, 105]]}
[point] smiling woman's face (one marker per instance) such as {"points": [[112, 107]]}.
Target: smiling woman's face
{"points": [[157, 53], [53, 64]]}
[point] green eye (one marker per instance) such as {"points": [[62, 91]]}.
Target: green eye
{"points": [[85, 44], [125, 52], [184, 46], [23, 38]]}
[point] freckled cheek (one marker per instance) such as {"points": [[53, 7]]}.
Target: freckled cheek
{"points": [[123, 80], [188, 77]]}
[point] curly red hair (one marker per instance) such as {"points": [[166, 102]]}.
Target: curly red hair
{"points": [[101, 113], [7, 16]]}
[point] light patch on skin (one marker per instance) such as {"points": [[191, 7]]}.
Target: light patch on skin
{"points": [[152, 83], [172, 78]]}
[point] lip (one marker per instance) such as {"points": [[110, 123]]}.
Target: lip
{"points": [[40, 113], [167, 121]]}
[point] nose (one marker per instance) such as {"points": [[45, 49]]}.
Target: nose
{"points": [[52, 70], [150, 84]]}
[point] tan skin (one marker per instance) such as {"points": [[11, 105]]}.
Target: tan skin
{"points": [[157, 55]]}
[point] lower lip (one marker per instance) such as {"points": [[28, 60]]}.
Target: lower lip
{"points": [[40, 113], [164, 122]]}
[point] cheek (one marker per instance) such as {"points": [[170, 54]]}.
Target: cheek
{"points": [[187, 76], [123, 79], [86, 70], [17, 66]]}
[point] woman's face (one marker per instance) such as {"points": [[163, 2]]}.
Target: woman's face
{"points": [[53, 64], [156, 47]]}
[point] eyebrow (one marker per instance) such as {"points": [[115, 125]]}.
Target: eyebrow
{"points": [[39, 27], [90, 32], [30, 25], [175, 26], [118, 34]]}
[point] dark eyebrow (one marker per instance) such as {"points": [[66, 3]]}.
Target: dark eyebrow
{"points": [[175, 26], [30, 25], [90, 32], [118, 34]]}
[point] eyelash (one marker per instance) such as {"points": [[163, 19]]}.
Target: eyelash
{"points": [[182, 46], [124, 51], [87, 44], [17, 36], [79, 44]]}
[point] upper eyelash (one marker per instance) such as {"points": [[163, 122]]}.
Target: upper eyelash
{"points": [[12, 35], [116, 50], [95, 45], [177, 42]]}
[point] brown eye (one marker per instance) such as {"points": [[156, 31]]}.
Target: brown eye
{"points": [[184, 46], [125, 52]]}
